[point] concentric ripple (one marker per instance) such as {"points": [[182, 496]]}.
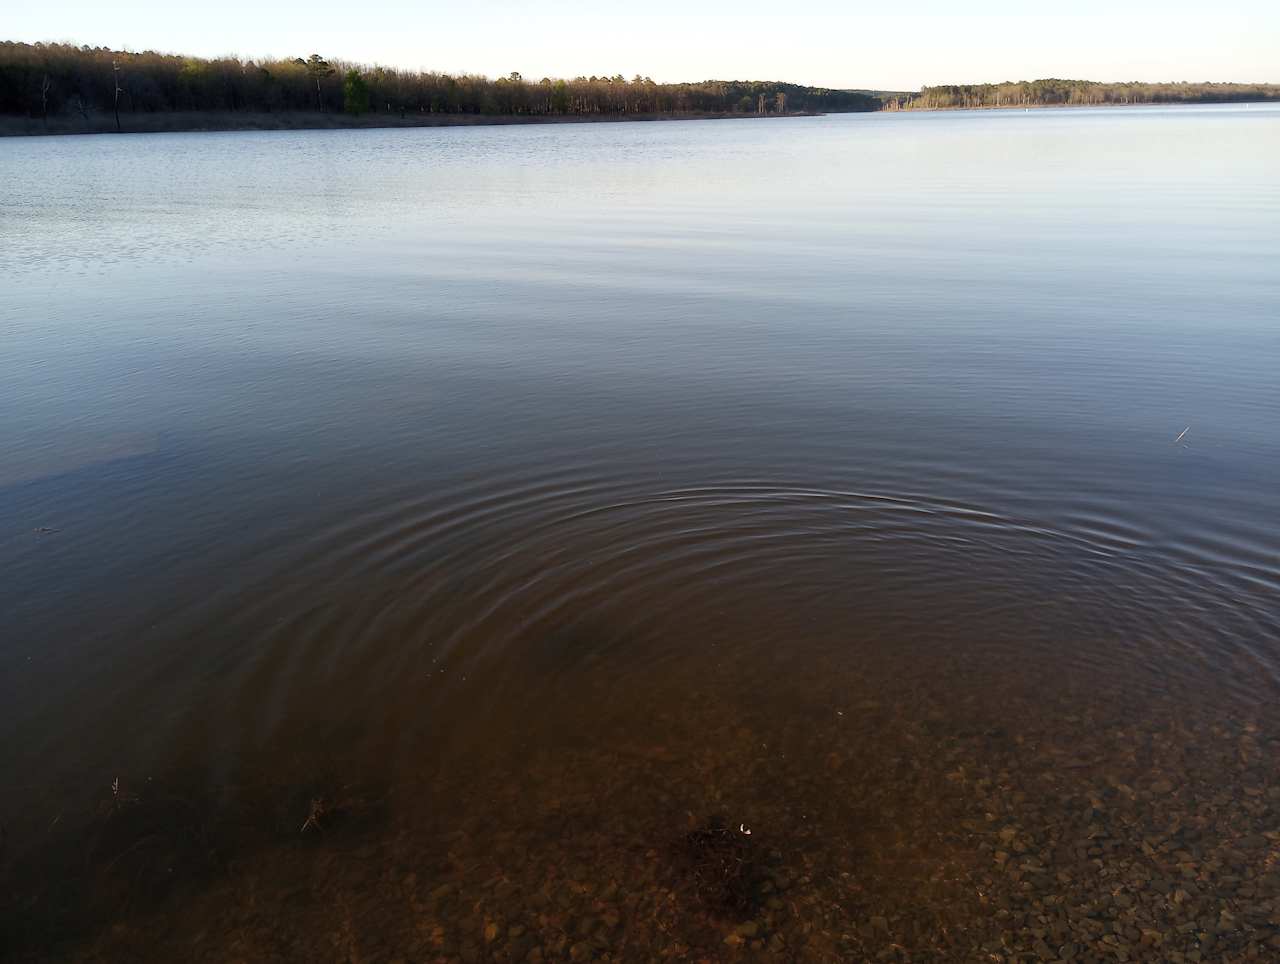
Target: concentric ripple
{"points": [[466, 591]]}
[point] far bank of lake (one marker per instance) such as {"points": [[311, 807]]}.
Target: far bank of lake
{"points": [[198, 121], [181, 122]]}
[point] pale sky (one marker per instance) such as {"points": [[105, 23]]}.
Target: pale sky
{"points": [[823, 42]]}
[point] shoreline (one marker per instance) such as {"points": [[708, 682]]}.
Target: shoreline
{"points": [[1028, 107], [171, 122], [189, 122]]}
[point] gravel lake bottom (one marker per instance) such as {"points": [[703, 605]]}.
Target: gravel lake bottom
{"points": [[839, 816]]}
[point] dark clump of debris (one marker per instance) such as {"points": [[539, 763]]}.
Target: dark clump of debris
{"points": [[726, 865], [330, 804]]}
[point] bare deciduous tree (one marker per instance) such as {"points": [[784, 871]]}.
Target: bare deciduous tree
{"points": [[82, 107], [115, 99]]}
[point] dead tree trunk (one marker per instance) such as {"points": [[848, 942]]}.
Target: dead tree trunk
{"points": [[115, 73]]}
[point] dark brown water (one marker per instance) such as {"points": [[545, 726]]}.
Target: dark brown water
{"points": [[444, 545]]}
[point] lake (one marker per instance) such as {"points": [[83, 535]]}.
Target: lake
{"points": [[447, 544]]}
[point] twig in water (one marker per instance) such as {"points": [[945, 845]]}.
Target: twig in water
{"points": [[119, 798], [1181, 434], [319, 809]]}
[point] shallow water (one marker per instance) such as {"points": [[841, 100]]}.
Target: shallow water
{"points": [[531, 496]]}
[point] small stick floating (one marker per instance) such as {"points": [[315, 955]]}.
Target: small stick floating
{"points": [[1181, 434]]}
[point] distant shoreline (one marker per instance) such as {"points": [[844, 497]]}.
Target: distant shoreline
{"points": [[176, 122], [189, 122], [1015, 107], [59, 88]]}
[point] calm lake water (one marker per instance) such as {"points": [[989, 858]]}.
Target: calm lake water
{"points": [[447, 539]]}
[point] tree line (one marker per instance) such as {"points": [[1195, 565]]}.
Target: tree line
{"points": [[44, 81], [60, 80], [1041, 93]]}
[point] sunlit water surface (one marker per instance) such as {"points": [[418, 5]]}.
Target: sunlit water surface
{"points": [[546, 490]]}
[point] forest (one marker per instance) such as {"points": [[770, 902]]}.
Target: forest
{"points": [[61, 87], [1045, 93], [43, 81]]}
